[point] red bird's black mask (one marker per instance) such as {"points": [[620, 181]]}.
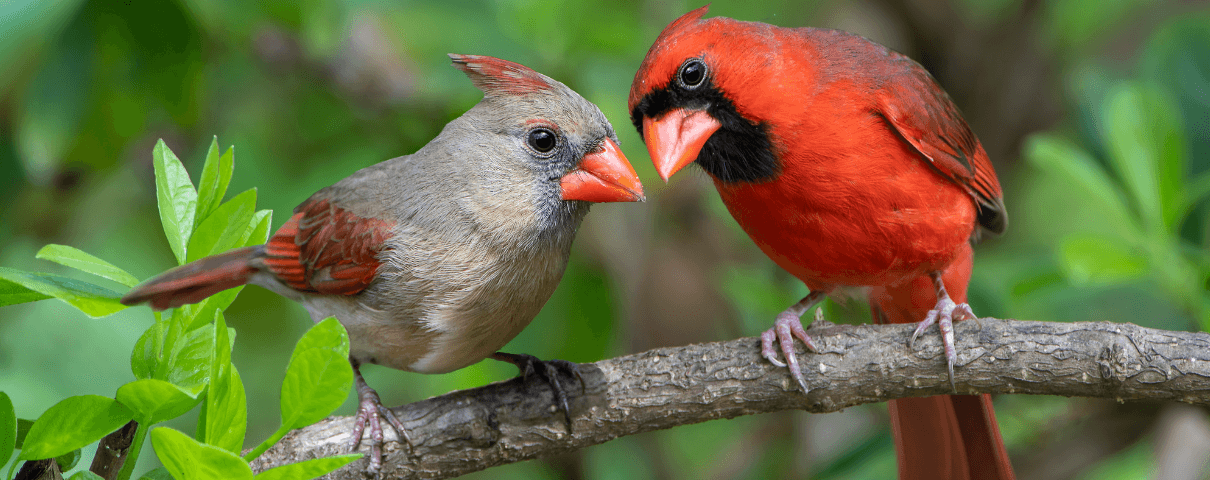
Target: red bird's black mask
{"points": [[739, 151]]}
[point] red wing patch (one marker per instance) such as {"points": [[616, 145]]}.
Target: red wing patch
{"points": [[326, 249], [926, 118]]}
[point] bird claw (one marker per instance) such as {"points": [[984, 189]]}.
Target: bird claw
{"points": [[785, 329], [549, 370], [944, 314], [370, 411]]}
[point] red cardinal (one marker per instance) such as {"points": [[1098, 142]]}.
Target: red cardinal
{"points": [[434, 260], [849, 167]]}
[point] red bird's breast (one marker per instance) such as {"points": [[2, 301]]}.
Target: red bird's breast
{"points": [[853, 206]]}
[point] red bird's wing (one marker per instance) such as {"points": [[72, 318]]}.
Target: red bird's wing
{"points": [[326, 249], [925, 116]]}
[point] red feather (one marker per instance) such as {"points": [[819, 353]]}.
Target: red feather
{"points": [[924, 116], [493, 75], [194, 281], [326, 249]]}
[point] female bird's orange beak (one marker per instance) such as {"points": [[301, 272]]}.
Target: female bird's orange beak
{"points": [[675, 139], [603, 176]]}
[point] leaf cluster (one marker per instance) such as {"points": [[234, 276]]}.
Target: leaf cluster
{"points": [[183, 360]]}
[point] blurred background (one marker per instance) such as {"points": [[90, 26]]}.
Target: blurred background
{"points": [[1096, 114]]}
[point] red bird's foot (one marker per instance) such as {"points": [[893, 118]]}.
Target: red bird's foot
{"points": [[787, 328], [371, 412], [549, 370], [944, 314]]}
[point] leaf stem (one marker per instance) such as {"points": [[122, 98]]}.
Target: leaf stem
{"points": [[133, 457], [269, 442]]}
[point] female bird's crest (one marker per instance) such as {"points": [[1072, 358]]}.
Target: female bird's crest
{"points": [[501, 77]]}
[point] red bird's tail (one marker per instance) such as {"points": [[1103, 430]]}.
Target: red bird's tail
{"points": [[946, 437], [194, 281]]}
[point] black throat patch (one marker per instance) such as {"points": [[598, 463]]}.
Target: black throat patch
{"points": [[740, 151]]}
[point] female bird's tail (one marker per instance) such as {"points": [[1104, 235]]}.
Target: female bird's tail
{"points": [[194, 281], [946, 437]]}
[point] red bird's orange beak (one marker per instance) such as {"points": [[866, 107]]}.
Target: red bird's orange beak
{"points": [[603, 176], [675, 139]]}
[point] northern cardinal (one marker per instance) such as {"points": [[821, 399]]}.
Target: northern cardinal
{"points": [[852, 169], [434, 260]]}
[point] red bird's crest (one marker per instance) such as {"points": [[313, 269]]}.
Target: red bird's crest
{"points": [[647, 69], [495, 76]]}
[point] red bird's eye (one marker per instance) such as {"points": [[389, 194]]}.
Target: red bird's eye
{"points": [[692, 73], [542, 140]]}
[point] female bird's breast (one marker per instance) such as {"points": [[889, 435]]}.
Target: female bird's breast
{"points": [[443, 303], [852, 205]]}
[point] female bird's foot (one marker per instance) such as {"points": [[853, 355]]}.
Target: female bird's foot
{"points": [[944, 314], [549, 370], [785, 329], [370, 411]]}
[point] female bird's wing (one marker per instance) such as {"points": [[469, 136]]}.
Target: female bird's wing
{"points": [[326, 249]]}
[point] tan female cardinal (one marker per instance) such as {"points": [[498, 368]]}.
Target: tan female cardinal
{"points": [[849, 166], [434, 260]]}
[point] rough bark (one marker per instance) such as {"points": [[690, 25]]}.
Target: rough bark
{"points": [[511, 421], [112, 451], [46, 469]]}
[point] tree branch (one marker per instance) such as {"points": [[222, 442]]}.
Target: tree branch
{"points": [[512, 421], [112, 451]]}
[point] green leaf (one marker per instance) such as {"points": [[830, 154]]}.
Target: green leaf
{"points": [[8, 428], [1072, 25], [23, 427], [1197, 189], [313, 468], [1146, 143], [86, 475], [145, 358], [225, 228], [154, 401], [176, 197], [199, 314], [68, 460], [189, 365], [259, 233], [318, 377], [187, 361], [224, 339], [73, 423], [93, 300], [226, 408], [216, 175], [227, 414], [12, 293], [186, 459], [1089, 259], [74, 258], [157, 474], [1059, 156]]}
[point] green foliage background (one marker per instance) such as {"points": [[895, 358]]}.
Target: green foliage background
{"points": [[1099, 128]]}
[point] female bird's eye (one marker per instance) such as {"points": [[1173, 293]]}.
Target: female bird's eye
{"points": [[542, 140], [692, 73]]}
